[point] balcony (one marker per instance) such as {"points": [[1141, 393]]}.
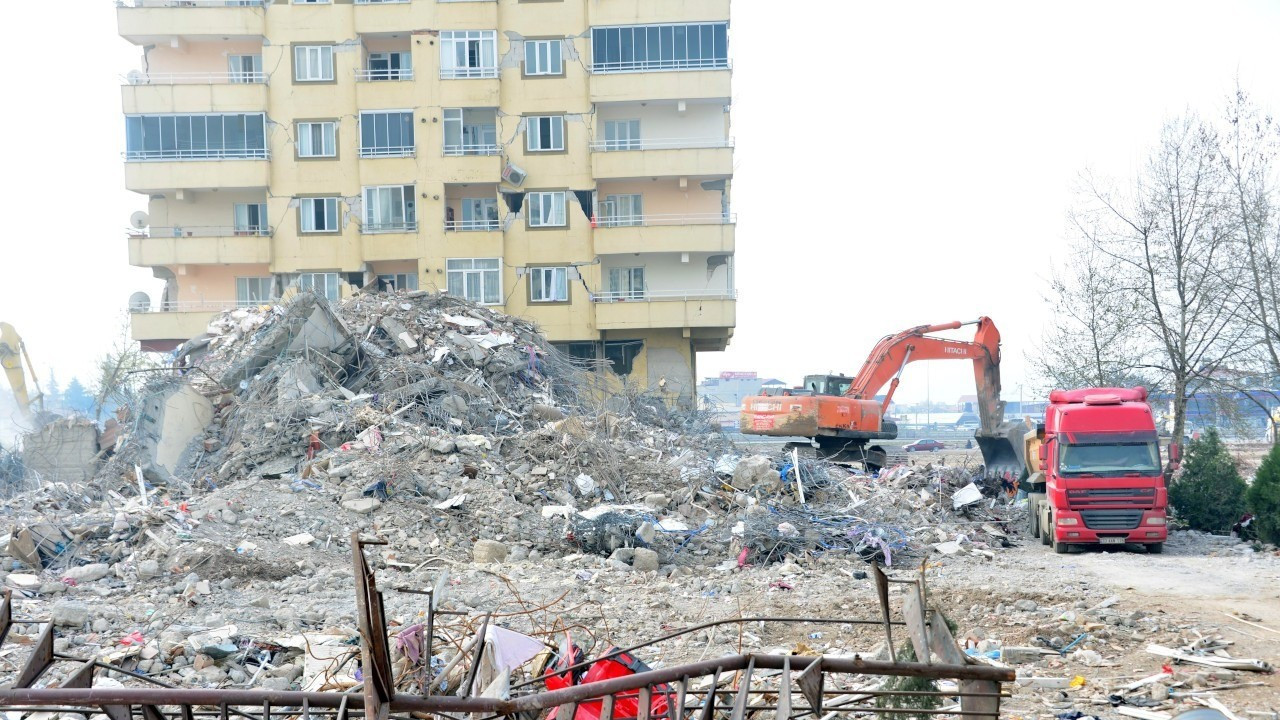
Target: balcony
{"points": [[648, 12], [701, 233], [383, 16], [145, 22], [156, 173], [371, 228], [391, 241], [194, 93], [165, 326], [662, 158], [639, 84], [664, 309], [200, 246]]}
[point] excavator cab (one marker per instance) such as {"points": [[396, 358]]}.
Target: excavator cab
{"points": [[827, 384]]}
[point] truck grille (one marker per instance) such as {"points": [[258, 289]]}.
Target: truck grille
{"points": [[1111, 519], [1112, 492]]}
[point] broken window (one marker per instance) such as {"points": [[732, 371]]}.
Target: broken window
{"points": [[397, 281], [326, 285], [621, 354]]}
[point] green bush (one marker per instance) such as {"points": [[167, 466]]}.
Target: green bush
{"points": [[1263, 498], [1209, 493]]}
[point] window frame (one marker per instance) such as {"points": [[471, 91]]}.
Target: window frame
{"points": [[411, 281], [659, 47], [463, 148], [246, 301], [403, 72], [173, 136], [261, 229], [298, 134], [408, 209], [539, 195], [484, 224], [539, 272], [388, 150], [530, 134], [614, 219], [464, 272], [632, 292], [241, 76], [448, 54], [298, 66], [335, 276], [534, 44], [630, 142], [303, 214]]}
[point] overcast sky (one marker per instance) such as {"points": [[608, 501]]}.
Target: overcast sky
{"points": [[898, 163]]}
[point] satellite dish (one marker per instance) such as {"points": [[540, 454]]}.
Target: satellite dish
{"points": [[139, 302], [139, 220], [136, 77]]}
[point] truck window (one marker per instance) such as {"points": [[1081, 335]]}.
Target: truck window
{"points": [[1112, 459]]}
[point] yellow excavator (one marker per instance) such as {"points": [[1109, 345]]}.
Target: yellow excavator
{"points": [[12, 354]]}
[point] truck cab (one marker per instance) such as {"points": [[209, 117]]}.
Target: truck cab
{"points": [[1095, 475]]}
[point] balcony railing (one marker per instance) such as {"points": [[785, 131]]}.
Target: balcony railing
{"points": [[612, 221], [376, 152], [220, 78], [660, 65], [377, 228], [382, 2], [471, 225], [177, 231], [457, 73], [471, 149], [189, 3], [660, 295], [383, 74], [661, 144], [198, 154], [189, 306]]}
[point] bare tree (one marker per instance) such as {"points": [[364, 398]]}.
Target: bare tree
{"points": [[1169, 246], [122, 372], [1091, 341]]}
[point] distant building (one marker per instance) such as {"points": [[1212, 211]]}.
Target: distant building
{"points": [[723, 395]]}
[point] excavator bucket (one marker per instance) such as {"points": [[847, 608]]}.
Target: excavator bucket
{"points": [[1003, 449]]}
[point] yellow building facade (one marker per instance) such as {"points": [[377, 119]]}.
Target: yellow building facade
{"points": [[567, 161]]}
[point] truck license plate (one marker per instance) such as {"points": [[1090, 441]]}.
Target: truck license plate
{"points": [[1112, 540]]}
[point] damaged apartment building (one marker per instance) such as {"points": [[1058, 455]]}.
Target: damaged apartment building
{"points": [[567, 162]]}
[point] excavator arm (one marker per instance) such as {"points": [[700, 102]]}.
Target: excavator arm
{"points": [[890, 357], [1000, 442], [12, 354]]}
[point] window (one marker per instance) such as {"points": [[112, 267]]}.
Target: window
{"points": [[311, 2], [326, 285], [626, 283], [621, 354], [319, 215], [251, 219], [389, 208], [389, 66], [660, 47], [397, 281], [317, 139], [622, 211], [548, 284], [621, 134], [545, 133], [477, 214], [386, 134], [313, 63], [195, 137], [254, 290], [468, 54], [580, 350], [245, 68], [546, 209], [542, 57], [476, 279], [470, 131]]}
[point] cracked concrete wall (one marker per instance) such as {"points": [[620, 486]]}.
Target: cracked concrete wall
{"points": [[62, 451], [168, 423]]}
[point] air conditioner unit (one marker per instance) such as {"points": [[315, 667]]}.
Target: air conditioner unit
{"points": [[513, 175]]}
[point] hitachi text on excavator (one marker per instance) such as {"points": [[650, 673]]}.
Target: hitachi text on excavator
{"points": [[843, 419]]}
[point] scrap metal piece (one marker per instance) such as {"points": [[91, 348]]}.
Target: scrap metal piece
{"points": [[682, 689], [151, 712], [379, 685], [6, 614], [882, 590], [606, 708], [41, 659], [811, 682], [784, 691], [82, 677], [122, 712], [744, 692], [709, 702], [642, 712]]}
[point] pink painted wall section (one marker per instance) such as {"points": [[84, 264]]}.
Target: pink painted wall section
{"points": [[197, 57], [664, 197]]}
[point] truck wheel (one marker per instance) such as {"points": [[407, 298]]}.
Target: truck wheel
{"points": [[1155, 548], [1033, 524], [1045, 537], [1061, 548]]}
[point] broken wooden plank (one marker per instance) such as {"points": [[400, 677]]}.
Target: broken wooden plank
{"points": [[1252, 665]]}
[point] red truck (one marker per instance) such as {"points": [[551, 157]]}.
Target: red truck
{"points": [[1094, 471]]}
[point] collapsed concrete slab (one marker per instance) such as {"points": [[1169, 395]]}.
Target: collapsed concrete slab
{"points": [[64, 450], [169, 421], [308, 326]]}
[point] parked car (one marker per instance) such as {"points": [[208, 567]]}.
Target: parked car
{"points": [[924, 446]]}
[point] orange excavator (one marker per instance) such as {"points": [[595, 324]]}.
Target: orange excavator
{"points": [[843, 418]]}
